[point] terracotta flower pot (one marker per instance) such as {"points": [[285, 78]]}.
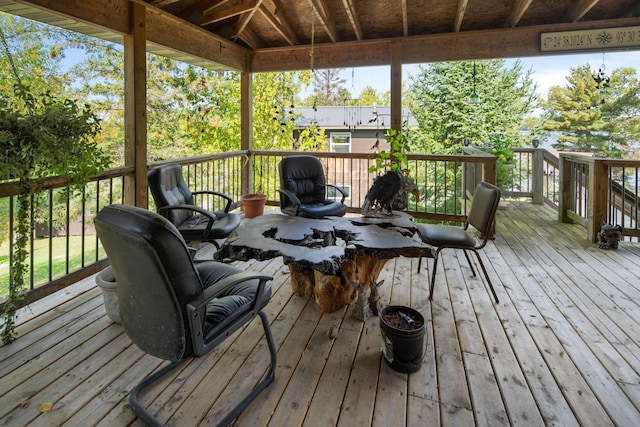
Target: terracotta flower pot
{"points": [[253, 204]]}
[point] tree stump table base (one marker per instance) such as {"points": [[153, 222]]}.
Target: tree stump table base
{"points": [[334, 260]]}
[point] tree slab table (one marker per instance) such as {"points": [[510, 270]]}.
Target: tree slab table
{"points": [[335, 259]]}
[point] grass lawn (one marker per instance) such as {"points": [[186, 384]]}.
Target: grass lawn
{"points": [[59, 255]]}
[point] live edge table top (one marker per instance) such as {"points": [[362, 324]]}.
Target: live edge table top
{"points": [[324, 244]]}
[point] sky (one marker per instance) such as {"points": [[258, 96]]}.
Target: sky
{"points": [[547, 71]]}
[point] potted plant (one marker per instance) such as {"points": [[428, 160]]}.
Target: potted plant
{"points": [[395, 159], [393, 162], [41, 135]]}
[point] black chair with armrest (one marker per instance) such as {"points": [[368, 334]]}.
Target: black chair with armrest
{"points": [[172, 307], [175, 202], [484, 205], [303, 189]]}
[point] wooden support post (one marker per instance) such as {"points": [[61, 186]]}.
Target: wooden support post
{"points": [[246, 129], [396, 85], [538, 176], [598, 197], [135, 110]]}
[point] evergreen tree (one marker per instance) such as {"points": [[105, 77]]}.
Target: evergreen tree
{"points": [[596, 117], [439, 100]]}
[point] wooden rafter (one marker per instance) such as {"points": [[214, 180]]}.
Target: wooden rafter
{"points": [[220, 15], [160, 3], [405, 19], [195, 13], [579, 9], [462, 7], [519, 9], [250, 38], [246, 18], [322, 12], [281, 25], [354, 18]]}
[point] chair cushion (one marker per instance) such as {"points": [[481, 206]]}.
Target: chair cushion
{"points": [[233, 302], [193, 228], [446, 235], [321, 210]]}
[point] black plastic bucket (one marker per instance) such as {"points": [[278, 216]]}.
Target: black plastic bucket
{"points": [[403, 349]]}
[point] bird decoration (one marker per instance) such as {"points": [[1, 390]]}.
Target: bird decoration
{"points": [[389, 192]]}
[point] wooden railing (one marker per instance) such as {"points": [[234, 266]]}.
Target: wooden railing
{"points": [[439, 178], [596, 190], [65, 248]]}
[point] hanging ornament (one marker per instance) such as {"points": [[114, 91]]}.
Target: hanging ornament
{"points": [[474, 98], [602, 81]]}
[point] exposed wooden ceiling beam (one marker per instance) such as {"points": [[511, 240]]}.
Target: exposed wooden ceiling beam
{"points": [[222, 14], [246, 18], [251, 39], [519, 9], [405, 19], [321, 10], [466, 45], [284, 31], [579, 9], [195, 13], [354, 18], [462, 7], [160, 3]]}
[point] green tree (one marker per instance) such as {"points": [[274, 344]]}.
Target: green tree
{"points": [[370, 96], [439, 100], [592, 117], [573, 110]]}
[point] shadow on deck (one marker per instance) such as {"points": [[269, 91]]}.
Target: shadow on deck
{"points": [[561, 348]]}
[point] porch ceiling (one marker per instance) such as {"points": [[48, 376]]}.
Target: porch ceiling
{"points": [[275, 35]]}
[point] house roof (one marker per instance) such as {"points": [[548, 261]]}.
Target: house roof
{"points": [[350, 117]]}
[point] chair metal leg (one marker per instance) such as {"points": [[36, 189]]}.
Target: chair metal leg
{"points": [[433, 275], [135, 404], [486, 275], [149, 419], [466, 254], [268, 379]]}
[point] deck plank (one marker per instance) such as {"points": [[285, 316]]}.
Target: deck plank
{"points": [[561, 348]]}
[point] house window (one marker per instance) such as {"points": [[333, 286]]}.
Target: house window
{"points": [[334, 194], [340, 142]]}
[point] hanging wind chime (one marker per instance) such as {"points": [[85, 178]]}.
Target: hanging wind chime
{"points": [[602, 82]]}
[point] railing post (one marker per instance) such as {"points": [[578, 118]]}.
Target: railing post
{"points": [[537, 171], [489, 171], [565, 185], [598, 197]]}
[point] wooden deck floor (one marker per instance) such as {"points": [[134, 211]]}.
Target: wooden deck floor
{"points": [[562, 348]]}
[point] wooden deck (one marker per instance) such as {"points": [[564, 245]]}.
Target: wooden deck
{"points": [[562, 348]]}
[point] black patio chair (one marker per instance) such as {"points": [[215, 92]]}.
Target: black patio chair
{"points": [[172, 307], [175, 202], [303, 189], [484, 205]]}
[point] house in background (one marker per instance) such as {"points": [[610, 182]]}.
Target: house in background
{"points": [[350, 129]]}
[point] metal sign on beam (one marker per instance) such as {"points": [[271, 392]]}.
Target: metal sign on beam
{"points": [[593, 39]]}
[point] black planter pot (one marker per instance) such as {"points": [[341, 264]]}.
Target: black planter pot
{"points": [[403, 348]]}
